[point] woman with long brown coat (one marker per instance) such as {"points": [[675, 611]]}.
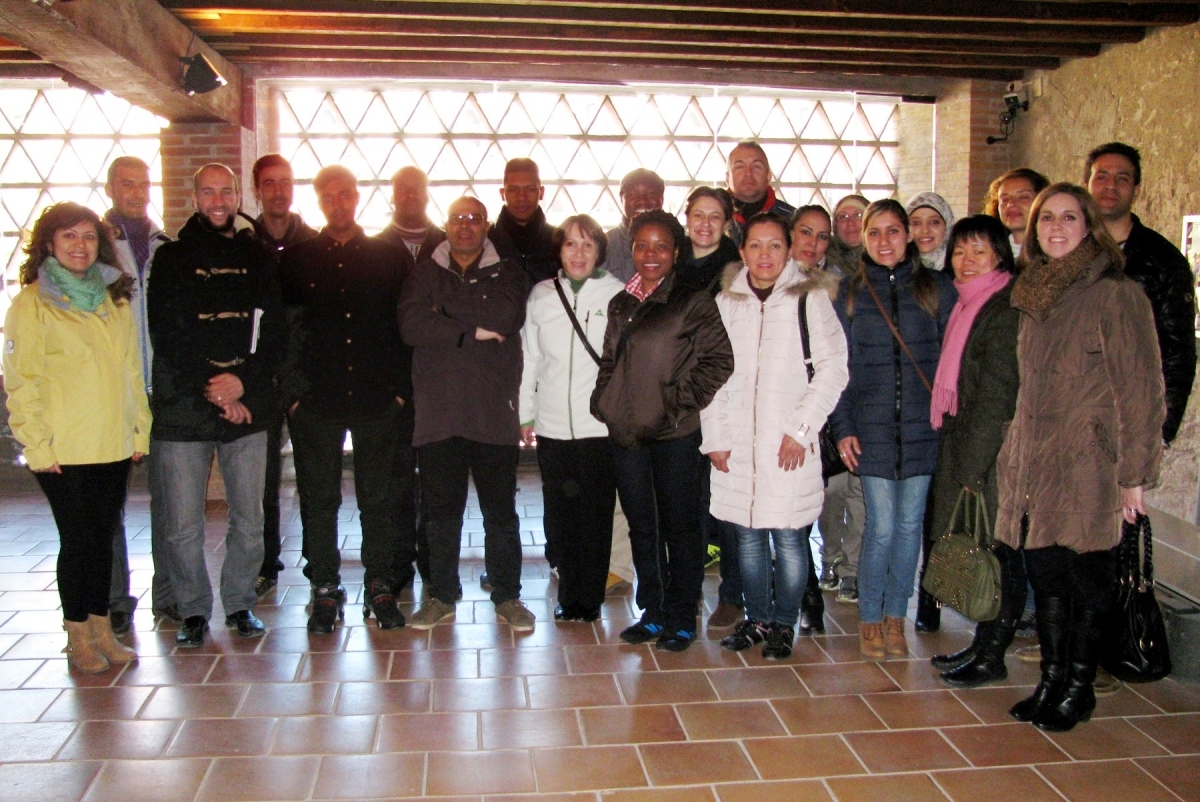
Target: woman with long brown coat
{"points": [[1085, 441]]}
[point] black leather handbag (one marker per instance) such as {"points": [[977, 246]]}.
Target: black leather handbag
{"points": [[1135, 645], [963, 573]]}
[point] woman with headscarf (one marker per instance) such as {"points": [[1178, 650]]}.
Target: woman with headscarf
{"points": [[931, 218]]}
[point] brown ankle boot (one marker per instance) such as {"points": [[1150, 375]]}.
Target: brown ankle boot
{"points": [[893, 637], [870, 641], [100, 631], [81, 653]]}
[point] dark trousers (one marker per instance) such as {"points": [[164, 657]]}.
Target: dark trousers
{"points": [[1086, 580], [412, 545], [317, 444], [272, 543], [724, 535], [446, 466], [659, 486], [580, 493], [86, 501]]}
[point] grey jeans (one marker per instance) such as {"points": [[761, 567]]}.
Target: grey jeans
{"points": [[184, 470], [841, 522]]}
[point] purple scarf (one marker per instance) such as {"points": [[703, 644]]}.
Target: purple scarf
{"points": [[972, 295]]}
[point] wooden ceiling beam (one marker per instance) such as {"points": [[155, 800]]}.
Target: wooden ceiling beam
{"points": [[426, 57], [426, 48], [365, 18], [128, 47], [637, 36], [992, 12]]}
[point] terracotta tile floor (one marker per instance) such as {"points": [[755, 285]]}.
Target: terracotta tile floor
{"points": [[471, 711]]}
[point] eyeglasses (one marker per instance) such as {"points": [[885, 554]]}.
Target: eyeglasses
{"points": [[468, 219], [844, 216]]}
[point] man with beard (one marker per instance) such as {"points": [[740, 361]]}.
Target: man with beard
{"points": [[352, 374], [1113, 174], [216, 323], [278, 226]]}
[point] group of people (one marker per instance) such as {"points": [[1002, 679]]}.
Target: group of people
{"points": [[694, 372]]}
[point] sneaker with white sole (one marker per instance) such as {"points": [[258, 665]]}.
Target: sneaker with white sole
{"points": [[516, 614], [432, 613], [829, 574], [848, 590]]}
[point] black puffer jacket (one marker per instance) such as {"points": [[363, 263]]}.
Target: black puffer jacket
{"points": [[202, 301], [1166, 277], [705, 273], [674, 357]]}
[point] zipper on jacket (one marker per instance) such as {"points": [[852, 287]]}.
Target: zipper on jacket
{"points": [[899, 370], [571, 366], [762, 316]]}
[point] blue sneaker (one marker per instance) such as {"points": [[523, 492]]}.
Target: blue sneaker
{"points": [[676, 641], [641, 632]]}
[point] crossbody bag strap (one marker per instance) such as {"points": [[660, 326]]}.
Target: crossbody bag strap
{"points": [[804, 342], [896, 333], [562, 296]]}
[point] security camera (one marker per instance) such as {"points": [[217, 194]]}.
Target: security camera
{"points": [[1012, 102]]}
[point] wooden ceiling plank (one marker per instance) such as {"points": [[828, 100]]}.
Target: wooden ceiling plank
{"points": [[995, 11], [128, 47], [636, 36], [485, 15], [452, 47]]}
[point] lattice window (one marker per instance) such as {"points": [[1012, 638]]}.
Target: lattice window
{"points": [[584, 139], [55, 145]]}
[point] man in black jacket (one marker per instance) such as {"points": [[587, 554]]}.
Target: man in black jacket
{"points": [[278, 226], [521, 233], [217, 328], [353, 373], [462, 312], [748, 176], [1113, 173]]}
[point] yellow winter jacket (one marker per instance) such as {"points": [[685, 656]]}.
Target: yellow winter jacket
{"points": [[74, 379]]}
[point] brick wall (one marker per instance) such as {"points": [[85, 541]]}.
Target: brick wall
{"points": [[914, 171], [185, 148]]}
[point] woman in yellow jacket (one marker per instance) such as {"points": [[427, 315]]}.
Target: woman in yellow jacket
{"points": [[77, 405]]}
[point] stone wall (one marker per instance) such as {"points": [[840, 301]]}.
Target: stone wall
{"points": [[1148, 95]]}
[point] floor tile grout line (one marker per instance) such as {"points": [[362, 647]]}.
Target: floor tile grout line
{"points": [[1145, 771]]}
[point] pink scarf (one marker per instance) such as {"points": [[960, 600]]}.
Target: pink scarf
{"points": [[972, 295]]}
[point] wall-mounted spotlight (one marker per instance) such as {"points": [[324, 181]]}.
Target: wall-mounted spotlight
{"points": [[200, 76]]}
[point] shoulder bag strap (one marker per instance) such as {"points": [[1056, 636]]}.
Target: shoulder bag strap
{"points": [[562, 296], [896, 333], [804, 343]]}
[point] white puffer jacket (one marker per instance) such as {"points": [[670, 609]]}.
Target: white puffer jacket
{"points": [[559, 375], [769, 396]]}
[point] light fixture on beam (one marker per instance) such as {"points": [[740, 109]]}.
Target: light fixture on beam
{"points": [[200, 76]]}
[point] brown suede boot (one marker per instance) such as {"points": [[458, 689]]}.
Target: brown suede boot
{"points": [[893, 637], [81, 652], [870, 641], [100, 631]]}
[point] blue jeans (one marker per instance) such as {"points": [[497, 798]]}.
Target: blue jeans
{"points": [[185, 467], [788, 577], [891, 545], [659, 487]]}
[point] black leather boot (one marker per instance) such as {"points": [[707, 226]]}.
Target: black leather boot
{"points": [[1052, 636], [945, 662], [988, 663], [1078, 700], [929, 612], [812, 605]]}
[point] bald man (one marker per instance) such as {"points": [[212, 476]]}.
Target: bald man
{"points": [[462, 311]]}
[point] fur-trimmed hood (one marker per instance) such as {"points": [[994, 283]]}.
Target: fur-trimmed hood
{"points": [[792, 281]]}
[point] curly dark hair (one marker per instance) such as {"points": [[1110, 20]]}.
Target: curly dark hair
{"points": [[658, 217], [68, 215]]}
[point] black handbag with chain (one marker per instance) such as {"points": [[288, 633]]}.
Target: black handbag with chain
{"points": [[1135, 646]]}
